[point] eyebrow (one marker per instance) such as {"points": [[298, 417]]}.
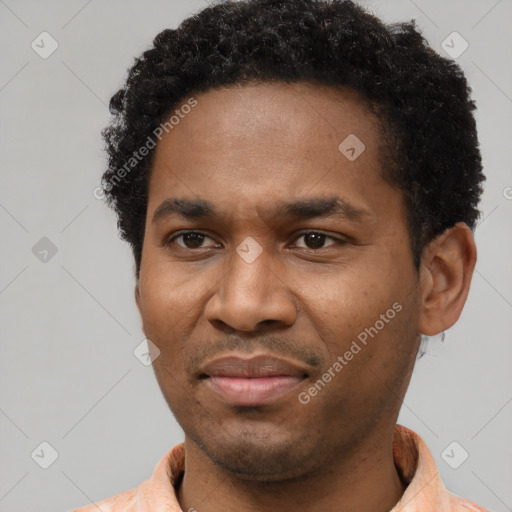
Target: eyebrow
{"points": [[332, 206]]}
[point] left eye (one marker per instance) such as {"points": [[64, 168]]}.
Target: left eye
{"points": [[316, 239]]}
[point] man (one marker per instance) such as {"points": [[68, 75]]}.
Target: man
{"points": [[299, 183]]}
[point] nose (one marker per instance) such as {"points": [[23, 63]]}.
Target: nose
{"points": [[250, 295]]}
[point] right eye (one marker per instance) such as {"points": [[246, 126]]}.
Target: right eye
{"points": [[191, 239]]}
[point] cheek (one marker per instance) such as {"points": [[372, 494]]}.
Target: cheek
{"points": [[366, 316], [163, 309], [169, 294], [376, 360], [345, 302]]}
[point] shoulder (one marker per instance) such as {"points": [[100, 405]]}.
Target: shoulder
{"points": [[157, 491], [463, 505], [123, 502]]}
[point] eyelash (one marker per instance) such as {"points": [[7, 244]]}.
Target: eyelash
{"points": [[339, 241]]}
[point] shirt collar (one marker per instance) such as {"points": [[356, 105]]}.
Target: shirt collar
{"points": [[424, 492]]}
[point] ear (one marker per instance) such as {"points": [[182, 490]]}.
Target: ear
{"points": [[446, 269], [137, 297]]}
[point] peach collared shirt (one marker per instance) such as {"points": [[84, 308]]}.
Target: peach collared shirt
{"points": [[425, 491]]}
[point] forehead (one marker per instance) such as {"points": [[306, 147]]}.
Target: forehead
{"points": [[259, 111], [251, 143]]}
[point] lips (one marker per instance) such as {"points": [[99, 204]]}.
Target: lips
{"points": [[252, 381]]}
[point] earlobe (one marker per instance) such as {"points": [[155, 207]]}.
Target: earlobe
{"points": [[445, 276], [137, 296]]}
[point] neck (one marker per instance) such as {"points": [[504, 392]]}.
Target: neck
{"points": [[365, 479]]}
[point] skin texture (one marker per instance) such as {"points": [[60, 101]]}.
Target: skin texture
{"points": [[304, 299]]}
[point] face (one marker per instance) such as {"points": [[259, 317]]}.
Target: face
{"points": [[264, 238]]}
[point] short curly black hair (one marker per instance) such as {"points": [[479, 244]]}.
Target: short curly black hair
{"points": [[421, 99]]}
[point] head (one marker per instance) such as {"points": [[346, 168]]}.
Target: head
{"points": [[295, 178]]}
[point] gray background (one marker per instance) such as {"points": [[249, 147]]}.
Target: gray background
{"points": [[69, 325]]}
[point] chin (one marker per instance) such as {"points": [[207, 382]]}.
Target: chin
{"points": [[258, 456]]}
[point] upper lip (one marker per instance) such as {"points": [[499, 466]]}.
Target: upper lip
{"points": [[253, 367]]}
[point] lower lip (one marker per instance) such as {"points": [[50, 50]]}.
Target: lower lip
{"points": [[252, 392]]}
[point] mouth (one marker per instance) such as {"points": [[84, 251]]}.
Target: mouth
{"points": [[254, 381]]}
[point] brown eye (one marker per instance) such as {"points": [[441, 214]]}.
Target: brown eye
{"points": [[193, 240], [316, 240], [190, 240]]}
